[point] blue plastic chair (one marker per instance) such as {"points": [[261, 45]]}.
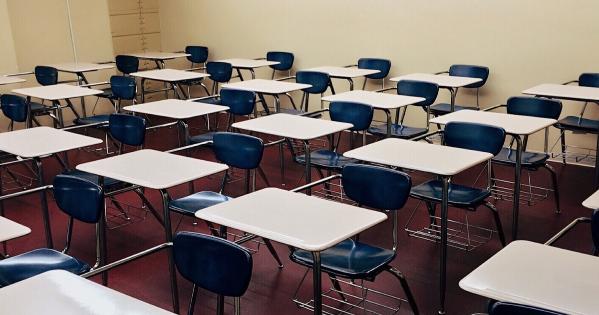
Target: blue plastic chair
{"points": [[285, 60], [197, 55], [532, 161], [383, 65], [320, 82], [471, 71], [121, 88], [214, 264], [426, 90], [45, 75], [81, 200], [127, 64], [14, 107], [503, 308], [220, 72], [374, 187], [468, 136]]}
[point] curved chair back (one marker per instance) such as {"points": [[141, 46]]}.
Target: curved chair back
{"points": [[127, 129], [357, 114], [383, 65], [319, 81], [595, 230], [45, 75], [79, 198], [502, 308], [213, 263], [219, 71], [14, 107], [123, 87], [127, 64], [238, 150], [589, 79], [426, 90], [240, 102], [534, 106], [285, 60], [471, 71], [376, 187], [474, 136], [197, 54]]}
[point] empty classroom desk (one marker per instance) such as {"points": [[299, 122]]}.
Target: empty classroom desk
{"points": [[155, 170], [267, 87], [305, 222], [532, 274], [4, 80], [345, 73], [451, 83], [168, 76], [383, 101], [440, 160], [248, 64], [159, 57], [592, 202], [61, 292], [515, 125], [10, 230]]}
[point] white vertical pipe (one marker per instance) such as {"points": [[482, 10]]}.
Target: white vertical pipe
{"points": [[71, 31]]}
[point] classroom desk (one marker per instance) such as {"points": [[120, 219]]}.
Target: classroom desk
{"points": [[61, 292], [268, 87], [304, 222], [440, 160], [36, 143], [592, 202], [155, 170], [248, 64], [516, 126], [158, 57], [294, 127], [55, 93], [178, 110], [10, 230], [168, 76], [451, 83], [4, 80], [383, 101], [345, 73], [538, 275]]}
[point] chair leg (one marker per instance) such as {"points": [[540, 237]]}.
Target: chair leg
{"points": [[555, 187], [337, 287], [272, 251], [406, 288], [563, 141], [497, 222], [263, 176], [192, 302]]}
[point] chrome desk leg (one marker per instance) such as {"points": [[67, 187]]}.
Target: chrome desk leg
{"points": [[316, 276], [308, 165], [388, 114], [45, 213], [171, 259], [443, 266], [517, 180]]}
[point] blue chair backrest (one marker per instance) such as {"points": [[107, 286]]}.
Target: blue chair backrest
{"points": [[589, 79], [285, 60], [534, 106], [127, 129], [502, 308], [45, 75], [383, 65], [238, 150], [357, 114], [213, 263], [318, 80], [14, 107], [123, 87], [79, 198], [474, 136], [198, 54], [127, 64], [219, 71], [595, 228], [426, 90], [472, 72], [376, 187], [240, 102]]}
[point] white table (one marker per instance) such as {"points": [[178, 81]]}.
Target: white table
{"points": [[451, 83], [383, 101], [10, 80], [294, 127], [168, 76], [517, 126], [346, 73], [538, 275], [61, 292], [39, 142], [55, 93], [248, 64], [592, 202], [10, 230], [178, 110], [268, 87], [304, 222], [155, 170], [159, 57], [435, 159]]}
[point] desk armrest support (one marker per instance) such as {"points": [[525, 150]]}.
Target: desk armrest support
{"points": [[126, 260], [488, 109], [570, 82], [191, 146], [285, 78], [565, 230], [316, 183]]}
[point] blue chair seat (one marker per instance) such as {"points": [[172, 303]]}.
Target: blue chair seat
{"points": [[200, 200], [529, 159], [326, 159], [397, 131], [208, 136], [459, 196], [93, 120], [349, 259], [574, 123], [445, 108], [110, 184], [21, 267]]}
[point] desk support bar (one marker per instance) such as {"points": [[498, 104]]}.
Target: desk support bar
{"points": [[126, 260]]}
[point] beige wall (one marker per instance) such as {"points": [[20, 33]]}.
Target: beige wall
{"points": [[524, 42]]}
